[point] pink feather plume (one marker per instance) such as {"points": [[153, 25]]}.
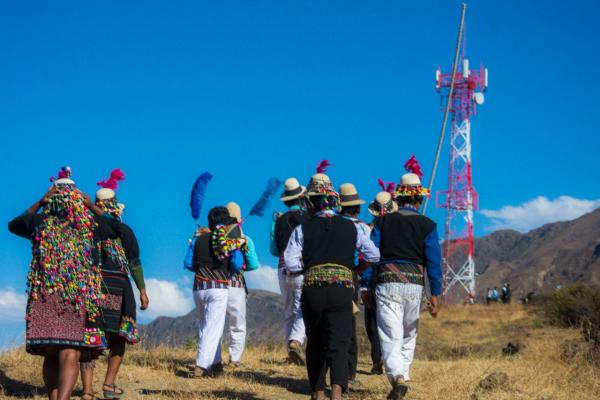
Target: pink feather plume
{"points": [[116, 176], [322, 166], [389, 187], [412, 165]]}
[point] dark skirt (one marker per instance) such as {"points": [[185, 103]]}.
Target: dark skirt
{"points": [[51, 322], [118, 306]]}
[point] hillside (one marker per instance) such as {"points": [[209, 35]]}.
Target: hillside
{"points": [[548, 366], [554, 254]]}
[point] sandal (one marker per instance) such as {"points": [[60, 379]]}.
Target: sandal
{"points": [[88, 396], [115, 392]]}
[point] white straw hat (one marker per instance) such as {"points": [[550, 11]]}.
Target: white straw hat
{"points": [[234, 210], [320, 185], [105, 194], [383, 204], [292, 190], [349, 195]]}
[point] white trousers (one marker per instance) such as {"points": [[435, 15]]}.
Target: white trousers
{"points": [[293, 323], [236, 322], [397, 306], [212, 306]]}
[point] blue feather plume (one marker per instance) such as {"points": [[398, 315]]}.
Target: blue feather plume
{"points": [[262, 203], [197, 196]]}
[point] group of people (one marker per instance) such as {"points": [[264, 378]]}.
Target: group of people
{"points": [[328, 261], [493, 295], [81, 301]]}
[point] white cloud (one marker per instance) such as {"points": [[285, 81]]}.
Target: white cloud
{"points": [[539, 211], [166, 298], [263, 278], [12, 305]]}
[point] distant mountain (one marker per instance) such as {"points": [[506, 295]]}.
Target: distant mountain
{"points": [[264, 321], [554, 254]]}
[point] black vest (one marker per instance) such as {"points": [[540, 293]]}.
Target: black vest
{"points": [[284, 226], [403, 236], [204, 257], [329, 241]]}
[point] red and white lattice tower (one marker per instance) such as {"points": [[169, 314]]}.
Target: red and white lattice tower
{"points": [[460, 199]]}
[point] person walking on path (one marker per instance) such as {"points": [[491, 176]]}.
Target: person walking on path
{"points": [[211, 263], [237, 291], [350, 202], [324, 247], [382, 204], [119, 258], [290, 282], [409, 247]]}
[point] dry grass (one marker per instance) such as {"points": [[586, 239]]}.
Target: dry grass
{"points": [[459, 357]]}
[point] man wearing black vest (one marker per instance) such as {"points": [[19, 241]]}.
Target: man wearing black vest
{"points": [[324, 247], [409, 246], [290, 283]]}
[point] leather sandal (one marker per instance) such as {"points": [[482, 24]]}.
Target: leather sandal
{"points": [[88, 396], [115, 392]]}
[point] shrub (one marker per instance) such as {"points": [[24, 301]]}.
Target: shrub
{"points": [[574, 306]]}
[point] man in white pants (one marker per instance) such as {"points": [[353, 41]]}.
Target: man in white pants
{"points": [[236, 300], [210, 294], [290, 283], [409, 246]]}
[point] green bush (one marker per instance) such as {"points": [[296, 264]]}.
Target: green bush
{"points": [[574, 306]]}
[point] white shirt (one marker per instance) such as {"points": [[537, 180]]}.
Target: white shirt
{"points": [[293, 251]]}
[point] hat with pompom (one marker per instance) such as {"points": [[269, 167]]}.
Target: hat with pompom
{"points": [[410, 183], [320, 184], [64, 177], [110, 185]]}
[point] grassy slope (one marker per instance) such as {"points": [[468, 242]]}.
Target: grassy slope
{"points": [[456, 352]]}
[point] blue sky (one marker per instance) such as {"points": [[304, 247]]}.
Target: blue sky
{"points": [[248, 90]]}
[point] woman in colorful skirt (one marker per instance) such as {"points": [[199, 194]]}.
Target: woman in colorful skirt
{"points": [[64, 284], [118, 258]]}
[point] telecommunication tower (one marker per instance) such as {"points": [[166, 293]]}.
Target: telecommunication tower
{"points": [[460, 198]]}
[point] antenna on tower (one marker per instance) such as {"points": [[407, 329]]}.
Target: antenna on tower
{"points": [[463, 92]]}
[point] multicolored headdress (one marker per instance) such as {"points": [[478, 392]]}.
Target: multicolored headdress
{"points": [[321, 186], [410, 184], [62, 263], [106, 197]]}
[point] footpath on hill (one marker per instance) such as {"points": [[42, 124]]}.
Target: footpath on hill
{"points": [[460, 356]]}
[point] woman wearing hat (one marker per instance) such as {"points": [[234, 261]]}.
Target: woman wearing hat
{"points": [[236, 296], [409, 247], [64, 284], [119, 258], [324, 247], [290, 283]]}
